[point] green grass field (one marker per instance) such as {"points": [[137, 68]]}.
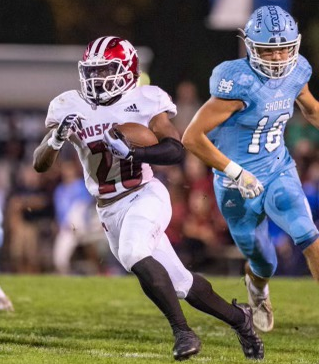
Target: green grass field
{"points": [[109, 320]]}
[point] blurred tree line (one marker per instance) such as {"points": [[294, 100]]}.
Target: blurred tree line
{"points": [[174, 29]]}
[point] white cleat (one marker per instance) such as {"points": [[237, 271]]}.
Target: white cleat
{"points": [[6, 304], [263, 316]]}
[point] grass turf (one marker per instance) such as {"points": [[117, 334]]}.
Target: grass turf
{"points": [[108, 320]]}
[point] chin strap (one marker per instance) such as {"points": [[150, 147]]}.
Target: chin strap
{"points": [[113, 100]]}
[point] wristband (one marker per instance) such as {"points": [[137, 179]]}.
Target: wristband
{"points": [[233, 170], [54, 143]]}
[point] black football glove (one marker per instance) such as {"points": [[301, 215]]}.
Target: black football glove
{"points": [[70, 122]]}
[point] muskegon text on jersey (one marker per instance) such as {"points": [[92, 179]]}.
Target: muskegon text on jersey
{"points": [[93, 130]]}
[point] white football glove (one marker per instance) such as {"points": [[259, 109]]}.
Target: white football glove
{"points": [[248, 185], [118, 145]]}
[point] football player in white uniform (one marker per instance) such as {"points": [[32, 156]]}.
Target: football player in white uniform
{"points": [[133, 206]]}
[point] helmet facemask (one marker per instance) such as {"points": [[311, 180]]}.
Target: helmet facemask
{"points": [[104, 80], [269, 68]]}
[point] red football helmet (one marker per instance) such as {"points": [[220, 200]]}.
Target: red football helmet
{"points": [[109, 68]]}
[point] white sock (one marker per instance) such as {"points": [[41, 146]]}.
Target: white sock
{"points": [[261, 292]]}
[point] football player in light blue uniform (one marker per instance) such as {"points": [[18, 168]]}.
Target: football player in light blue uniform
{"points": [[239, 132]]}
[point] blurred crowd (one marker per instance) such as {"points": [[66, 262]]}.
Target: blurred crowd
{"points": [[50, 224]]}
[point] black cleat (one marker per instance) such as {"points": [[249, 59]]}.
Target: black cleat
{"points": [[186, 345], [250, 342]]}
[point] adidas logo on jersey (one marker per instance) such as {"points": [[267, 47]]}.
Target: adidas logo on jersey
{"points": [[278, 94], [132, 108], [230, 203]]}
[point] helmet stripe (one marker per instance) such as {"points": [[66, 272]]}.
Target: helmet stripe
{"points": [[94, 46], [99, 46], [103, 44]]}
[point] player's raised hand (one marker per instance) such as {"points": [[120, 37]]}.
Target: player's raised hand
{"points": [[71, 122], [117, 144], [248, 185]]}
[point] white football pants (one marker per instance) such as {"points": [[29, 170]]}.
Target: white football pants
{"points": [[135, 228]]}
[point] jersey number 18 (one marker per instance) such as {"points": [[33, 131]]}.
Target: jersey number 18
{"points": [[273, 135]]}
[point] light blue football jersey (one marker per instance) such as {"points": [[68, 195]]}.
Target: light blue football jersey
{"points": [[254, 137]]}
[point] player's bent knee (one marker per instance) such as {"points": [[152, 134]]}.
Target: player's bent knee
{"points": [[282, 203], [182, 287], [181, 295], [129, 259]]}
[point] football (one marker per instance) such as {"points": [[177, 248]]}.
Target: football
{"points": [[137, 134]]}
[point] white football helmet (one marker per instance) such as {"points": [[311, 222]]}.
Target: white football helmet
{"points": [[109, 68], [272, 27]]}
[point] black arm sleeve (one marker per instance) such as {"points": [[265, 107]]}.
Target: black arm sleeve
{"points": [[167, 151]]}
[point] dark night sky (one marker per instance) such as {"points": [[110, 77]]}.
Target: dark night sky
{"points": [[174, 29]]}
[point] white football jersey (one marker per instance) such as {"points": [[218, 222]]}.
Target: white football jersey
{"points": [[105, 175]]}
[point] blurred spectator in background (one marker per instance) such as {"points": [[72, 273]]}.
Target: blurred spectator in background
{"points": [[187, 102], [75, 217], [204, 229], [28, 207], [197, 175], [5, 303], [198, 229], [303, 153], [299, 129], [311, 188], [176, 184]]}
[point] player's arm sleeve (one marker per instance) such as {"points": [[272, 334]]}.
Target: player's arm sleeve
{"points": [[229, 81], [168, 151]]}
